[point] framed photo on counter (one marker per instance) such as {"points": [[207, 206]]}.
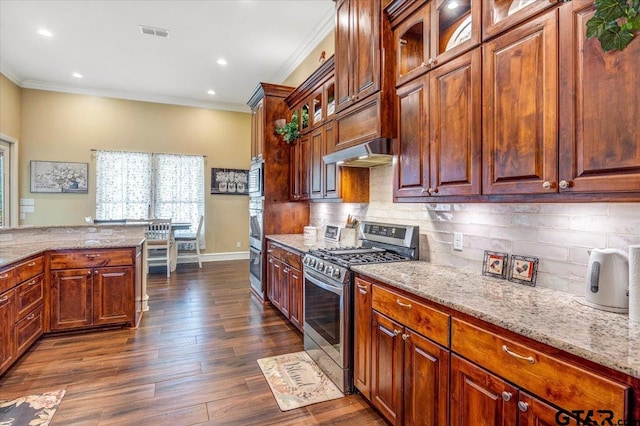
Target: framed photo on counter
{"points": [[495, 264], [523, 270]]}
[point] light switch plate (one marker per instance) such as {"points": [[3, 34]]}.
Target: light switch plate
{"points": [[457, 241]]}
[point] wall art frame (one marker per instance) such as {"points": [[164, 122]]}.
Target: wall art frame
{"points": [[59, 177], [495, 264], [523, 270], [229, 181]]}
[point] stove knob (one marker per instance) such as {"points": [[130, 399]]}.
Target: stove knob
{"points": [[306, 261], [330, 270], [312, 262], [336, 273], [320, 266]]}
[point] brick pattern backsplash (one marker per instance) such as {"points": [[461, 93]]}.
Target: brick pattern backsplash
{"points": [[558, 234]]}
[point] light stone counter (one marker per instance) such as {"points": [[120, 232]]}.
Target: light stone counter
{"points": [[20, 243], [548, 316]]}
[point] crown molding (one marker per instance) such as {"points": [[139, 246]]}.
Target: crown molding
{"points": [[8, 72], [134, 96], [317, 34]]}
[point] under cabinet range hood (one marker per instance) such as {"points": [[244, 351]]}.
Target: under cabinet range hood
{"points": [[369, 154]]}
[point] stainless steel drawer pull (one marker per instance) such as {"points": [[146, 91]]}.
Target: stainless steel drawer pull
{"points": [[93, 256], [506, 395], [362, 289], [32, 316], [523, 406], [4, 299], [32, 282], [3, 276], [404, 305], [32, 264], [396, 332], [515, 355]]}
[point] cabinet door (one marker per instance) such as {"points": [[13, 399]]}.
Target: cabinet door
{"points": [[305, 166], [479, 395], [362, 338], [113, 295], [28, 329], [365, 39], [454, 30], [295, 172], [412, 167], [7, 337], [534, 412], [387, 366], [599, 113], [285, 302], [456, 145], [343, 55], [412, 44], [257, 131], [71, 298], [520, 86], [316, 164], [426, 381], [273, 276], [295, 298], [331, 171], [500, 15]]}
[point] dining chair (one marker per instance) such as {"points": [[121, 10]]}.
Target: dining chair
{"points": [[160, 243], [193, 239]]}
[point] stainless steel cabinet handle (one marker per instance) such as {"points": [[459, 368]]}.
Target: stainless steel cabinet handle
{"points": [[32, 264], [506, 395], [92, 256], [404, 305], [523, 406], [4, 299], [546, 184], [423, 65], [32, 282], [32, 316], [362, 289], [432, 61], [564, 184], [405, 337], [396, 332], [3, 276], [529, 359], [433, 190]]}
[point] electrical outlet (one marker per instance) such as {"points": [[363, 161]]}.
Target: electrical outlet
{"points": [[238, 244], [457, 241]]}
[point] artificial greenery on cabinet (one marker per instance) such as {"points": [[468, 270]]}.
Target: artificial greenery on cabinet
{"points": [[615, 23]]}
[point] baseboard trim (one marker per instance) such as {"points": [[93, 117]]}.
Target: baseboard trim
{"points": [[216, 257]]}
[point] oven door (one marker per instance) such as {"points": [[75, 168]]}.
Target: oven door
{"points": [[255, 270], [255, 228], [325, 313]]}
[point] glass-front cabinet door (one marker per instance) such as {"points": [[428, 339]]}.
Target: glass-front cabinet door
{"points": [[317, 108], [412, 45], [455, 28], [500, 15]]}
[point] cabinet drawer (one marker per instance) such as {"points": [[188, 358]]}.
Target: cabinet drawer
{"points": [[29, 329], [29, 294], [274, 250], [292, 258], [427, 321], [556, 381], [7, 279], [91, 258], [29, 269]]}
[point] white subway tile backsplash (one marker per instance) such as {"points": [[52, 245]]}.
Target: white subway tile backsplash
{"points": [[559, 234]]}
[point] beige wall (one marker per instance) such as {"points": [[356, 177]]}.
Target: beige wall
{"points": [[65, 127], [311, 63], [10, 106]]}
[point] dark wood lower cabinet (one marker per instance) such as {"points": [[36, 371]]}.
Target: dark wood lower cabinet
{"points": [[28, 329], [362, 337], [284, 283], [296, 299], [479, 397], [410, 375], [71, 299], [113, 295], [534, 412], [7, 339]]}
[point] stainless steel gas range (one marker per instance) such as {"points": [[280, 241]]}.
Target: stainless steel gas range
{"points": [[329, 293]]}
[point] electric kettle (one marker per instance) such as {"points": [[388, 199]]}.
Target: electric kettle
{"points": [[607, 282]]}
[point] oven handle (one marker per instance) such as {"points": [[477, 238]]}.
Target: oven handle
{"points": [[317, 282]]}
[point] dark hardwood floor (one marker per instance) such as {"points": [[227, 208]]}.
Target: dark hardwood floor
{"points": [[191, 361]]}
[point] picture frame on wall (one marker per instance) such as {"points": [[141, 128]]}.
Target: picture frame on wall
{"points": [[495, 264], [59, 177], [523, 270], [229, 181]]}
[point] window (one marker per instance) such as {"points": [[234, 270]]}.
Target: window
{"points": [[138, 185]]}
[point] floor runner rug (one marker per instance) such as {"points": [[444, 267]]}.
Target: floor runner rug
{"points": [[31, 410], [296, 381]]}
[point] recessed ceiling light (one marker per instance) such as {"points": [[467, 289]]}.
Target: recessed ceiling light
{"points": [[211, 92], [45, 32], [77, 75], [221, 61]]}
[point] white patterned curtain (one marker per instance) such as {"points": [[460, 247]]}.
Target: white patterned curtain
{"points": [[138, 185], [123, 185], [179, 188]]}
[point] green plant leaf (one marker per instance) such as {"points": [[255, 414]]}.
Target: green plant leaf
{"points": [[615, 40], [610, 10], [596, 26]]}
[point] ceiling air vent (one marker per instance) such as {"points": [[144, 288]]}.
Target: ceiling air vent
{"points": [[160, 32]]}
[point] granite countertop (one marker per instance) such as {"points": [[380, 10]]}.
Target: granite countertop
{"points": [[297, 242], [15, 252], [555, 318]]}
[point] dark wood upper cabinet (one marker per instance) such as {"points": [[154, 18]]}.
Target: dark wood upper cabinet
{"points": [[599, 109], [455, 28], [412, 42], [520, 83]]}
